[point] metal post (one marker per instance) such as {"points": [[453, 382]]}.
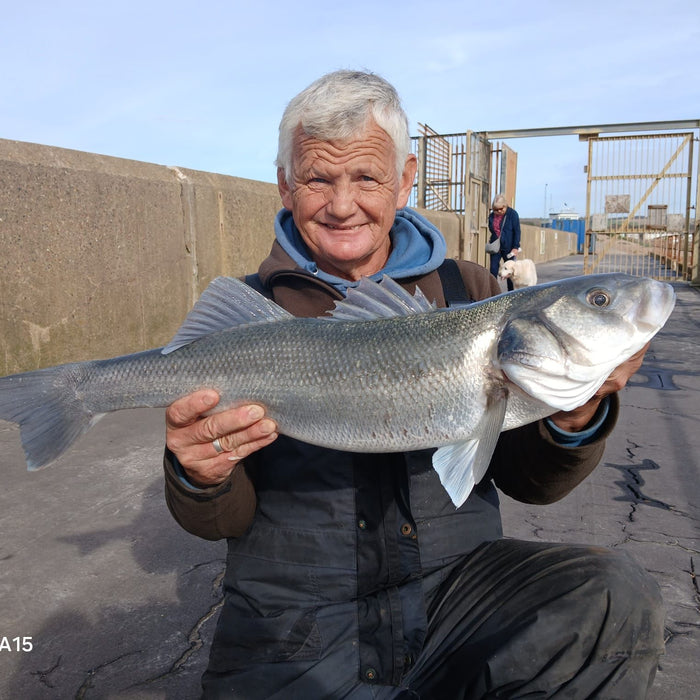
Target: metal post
{"points": [[467, 214], [688, 205], [422, 164], [695, 274], [588, 230]]}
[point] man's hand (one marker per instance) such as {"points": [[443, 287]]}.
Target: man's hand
{"points": [[190, 435], [576, 420]]}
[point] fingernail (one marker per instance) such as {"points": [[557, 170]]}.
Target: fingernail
{"points": [[267, 427], [256, 412], [209, 399]]}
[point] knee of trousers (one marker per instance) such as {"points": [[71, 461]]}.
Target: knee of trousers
{"points": [[629, 598]]}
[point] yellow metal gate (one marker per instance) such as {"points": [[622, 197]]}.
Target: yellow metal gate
{"points": [[638, 204]]}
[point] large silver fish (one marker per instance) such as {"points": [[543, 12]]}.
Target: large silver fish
{"points": [[387, 372]]}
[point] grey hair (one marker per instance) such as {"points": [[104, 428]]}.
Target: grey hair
{"points": [[499, 199], [338, 106]]}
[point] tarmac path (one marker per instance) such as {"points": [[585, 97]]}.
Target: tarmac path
{"points": [[644, 497], [102, 595]]}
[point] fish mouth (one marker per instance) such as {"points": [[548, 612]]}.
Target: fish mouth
{"points": [[657, 303]]}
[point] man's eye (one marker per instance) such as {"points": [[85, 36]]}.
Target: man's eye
{"points": [[317, 183]]}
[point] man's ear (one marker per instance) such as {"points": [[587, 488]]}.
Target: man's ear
{"points": [[406, 182], [284, 189]]}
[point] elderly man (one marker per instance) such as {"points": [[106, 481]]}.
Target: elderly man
{"points": [[353, 575]]}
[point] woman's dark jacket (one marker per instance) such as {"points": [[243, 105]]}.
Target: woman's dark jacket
{"points": [[510, 231]]}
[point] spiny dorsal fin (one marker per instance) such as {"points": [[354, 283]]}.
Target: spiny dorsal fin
{"points": [[225, 303], [386, 299]]}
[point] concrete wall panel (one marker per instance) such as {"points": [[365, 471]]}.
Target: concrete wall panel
{"points": [[103, 256], [449, 224]]}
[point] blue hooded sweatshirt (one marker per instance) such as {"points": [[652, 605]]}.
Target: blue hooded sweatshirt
{"points": [[417, 247]]}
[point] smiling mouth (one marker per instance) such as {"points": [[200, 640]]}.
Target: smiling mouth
{"points": [[333, 227]]}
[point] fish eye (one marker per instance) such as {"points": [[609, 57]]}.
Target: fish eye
{"points": [[598, 297]]}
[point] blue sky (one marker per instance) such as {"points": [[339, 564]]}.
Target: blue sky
{"points": [[202, 84]]}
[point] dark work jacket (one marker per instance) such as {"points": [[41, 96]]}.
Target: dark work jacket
{"points": [[329, 547]]}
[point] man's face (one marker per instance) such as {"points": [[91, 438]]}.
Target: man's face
{"points": [[344, 196]]}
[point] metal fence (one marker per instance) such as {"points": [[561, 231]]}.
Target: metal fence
{"points": [[639, 213], [638, 205]]}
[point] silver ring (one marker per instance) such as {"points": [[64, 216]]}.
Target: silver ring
{"points": [[217, 446]]}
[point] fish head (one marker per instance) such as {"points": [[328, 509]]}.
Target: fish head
{"points": [[562, 341]]}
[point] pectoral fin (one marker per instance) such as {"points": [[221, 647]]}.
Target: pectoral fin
{"points": [[463, 464]]}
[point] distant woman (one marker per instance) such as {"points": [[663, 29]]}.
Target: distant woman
{"points": [[504, 224]]}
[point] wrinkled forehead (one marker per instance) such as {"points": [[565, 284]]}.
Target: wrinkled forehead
{"points": [[372, 146]]}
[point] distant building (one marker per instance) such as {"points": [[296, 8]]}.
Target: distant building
{"points": [[568, 219], [564, 213]]}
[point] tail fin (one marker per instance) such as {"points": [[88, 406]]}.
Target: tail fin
{"points": [[45, 405]]}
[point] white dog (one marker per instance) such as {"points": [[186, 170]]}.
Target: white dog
{"points": [[522, 272]]}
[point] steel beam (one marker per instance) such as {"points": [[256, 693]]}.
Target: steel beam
{"points": [[592, 130]]}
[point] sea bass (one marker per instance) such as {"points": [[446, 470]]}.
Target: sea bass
{"points": [[385, 372]]}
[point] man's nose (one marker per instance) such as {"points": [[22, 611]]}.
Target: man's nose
{"points": [[342, 202]]}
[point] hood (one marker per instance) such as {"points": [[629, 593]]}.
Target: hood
{"points": [[417, 248]]}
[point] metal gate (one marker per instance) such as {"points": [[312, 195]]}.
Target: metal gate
{"points": [[453, 175], [504, 170], [638, 203]]}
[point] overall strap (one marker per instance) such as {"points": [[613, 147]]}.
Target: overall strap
{"points": [[451, 278], [452, 283]]}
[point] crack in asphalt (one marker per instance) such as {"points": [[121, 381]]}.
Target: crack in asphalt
{"points": [[696, 584], [651, 377], [634, 482], [43, 676], [194, 638], [87, 683]]}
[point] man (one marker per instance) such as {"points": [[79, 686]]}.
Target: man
{"points": [[504, 225], [353, 575]]}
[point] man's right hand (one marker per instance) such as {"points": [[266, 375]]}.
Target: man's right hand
{"points": [[189, 434]]}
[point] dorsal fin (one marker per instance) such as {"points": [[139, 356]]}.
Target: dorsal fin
{"points": [[225, 303], [386, 299]]}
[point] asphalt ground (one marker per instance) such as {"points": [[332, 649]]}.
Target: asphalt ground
{"points": [[102, 595]]}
